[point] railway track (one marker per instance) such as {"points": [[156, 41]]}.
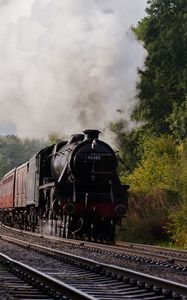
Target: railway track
{"points": [[102, 281], [170, 252], [151, 255], [23, 282], [170, 258]]}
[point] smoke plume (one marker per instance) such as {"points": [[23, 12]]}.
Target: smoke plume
{"points": [[67, 65]]}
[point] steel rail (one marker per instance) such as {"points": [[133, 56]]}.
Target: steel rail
{"points": [[109, 270], [131, 251], [54, 284], [165, 251]]}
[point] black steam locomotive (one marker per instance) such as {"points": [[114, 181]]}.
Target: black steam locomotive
{"points": [[73, 183]]}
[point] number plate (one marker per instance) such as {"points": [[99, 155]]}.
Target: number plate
{"points": [[93, 157]]}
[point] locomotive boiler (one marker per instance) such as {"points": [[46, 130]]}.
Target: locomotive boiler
{"points": [[73, 183]]}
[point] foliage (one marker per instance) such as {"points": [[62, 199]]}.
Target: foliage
{"points": [[154, 189], [53, 138], [159, 167], [163, 85], [177, 226], [146, 218], [184, 172], [155, 154], [178, 121], [14, 151], [127, 144]]}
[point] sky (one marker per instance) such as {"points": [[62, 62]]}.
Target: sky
{"points": [[67, 65]]}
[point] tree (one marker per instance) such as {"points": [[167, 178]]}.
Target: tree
{"points": [[14, 151], [154, 151], [163, 85], [156, 187], [127, 144], [158, 169], [178, 226]]}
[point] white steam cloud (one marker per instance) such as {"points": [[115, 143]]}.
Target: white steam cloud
{"points": [[67, 65]]}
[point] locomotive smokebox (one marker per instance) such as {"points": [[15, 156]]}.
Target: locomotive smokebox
{"points": [[91, 134]]}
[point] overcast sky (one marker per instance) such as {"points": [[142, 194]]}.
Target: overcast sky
{"points": [[66, 65]]}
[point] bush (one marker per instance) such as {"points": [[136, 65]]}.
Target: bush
{"points": [[177, 226], [156, 187], [146, 219], [158, 169]]}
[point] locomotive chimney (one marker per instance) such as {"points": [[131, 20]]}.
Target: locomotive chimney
{"points": [[91, 134]]}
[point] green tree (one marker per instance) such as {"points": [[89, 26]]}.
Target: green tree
{"points": [[163, 85], [14, 151], [177, 226], [127, 143], [156, 187], [178, 121], [154, 153], [53, 138], [159, 167]]}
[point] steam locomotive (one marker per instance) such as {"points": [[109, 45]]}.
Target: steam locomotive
{"points": [[72, 184]]}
